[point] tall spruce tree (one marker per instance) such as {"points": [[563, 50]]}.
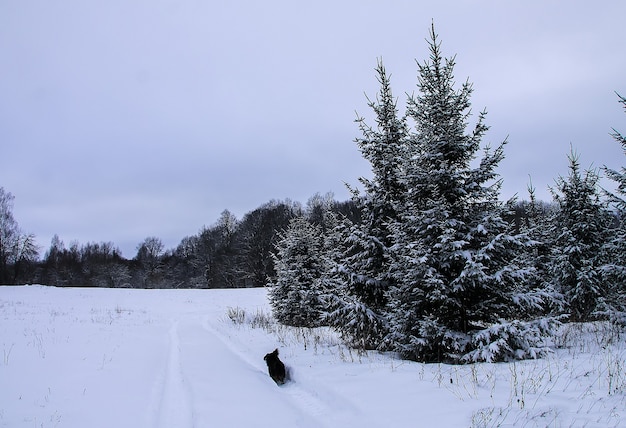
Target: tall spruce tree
{"points": [[360, 311], [537, 225], [580, 229], [460, 292], [614, 304]]}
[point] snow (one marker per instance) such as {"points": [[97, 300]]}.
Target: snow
{"points": [[83, 357]]}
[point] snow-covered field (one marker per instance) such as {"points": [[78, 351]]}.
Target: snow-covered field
{"points": [[80, 358]]}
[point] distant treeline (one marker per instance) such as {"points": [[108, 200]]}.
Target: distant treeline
{"points": [[231, 253]]}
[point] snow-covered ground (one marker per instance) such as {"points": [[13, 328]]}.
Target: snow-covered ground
{"points": [[77, 357]]}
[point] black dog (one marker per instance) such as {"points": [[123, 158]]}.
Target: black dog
{"points": [[275, 367]]}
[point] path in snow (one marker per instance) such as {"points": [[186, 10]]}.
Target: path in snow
{"points": [[209, 381], [174, 408]]}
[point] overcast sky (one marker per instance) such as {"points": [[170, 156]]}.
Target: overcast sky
{"points": [[124, 119]]}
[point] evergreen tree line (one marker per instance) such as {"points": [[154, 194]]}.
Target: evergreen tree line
{"points": [[439, 268]]}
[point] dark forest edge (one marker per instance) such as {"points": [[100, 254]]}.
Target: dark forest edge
{"points": [[231, 253]]}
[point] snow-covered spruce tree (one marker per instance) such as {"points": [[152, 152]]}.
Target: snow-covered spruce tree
{"points": [[460, 292], [357, 316], [580, 228], [614, 304], [360, 307], [332, 282], [295, 293], [537, 226]]}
